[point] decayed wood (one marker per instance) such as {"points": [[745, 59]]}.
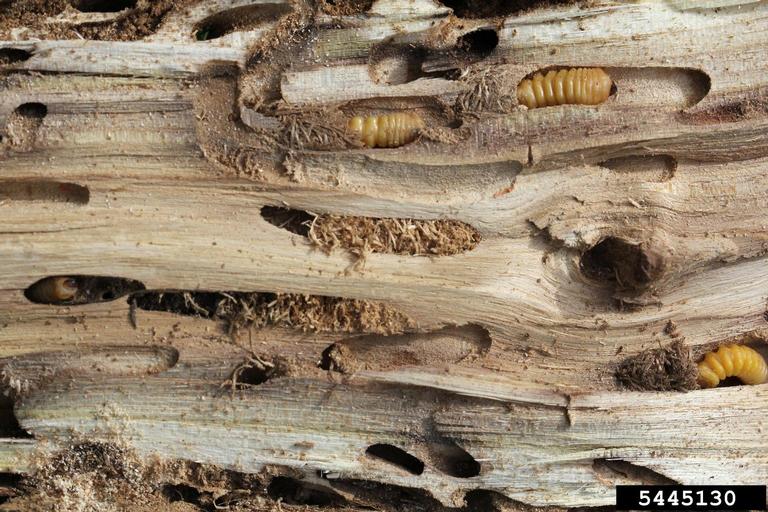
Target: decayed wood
{"points": [[180, 144]]}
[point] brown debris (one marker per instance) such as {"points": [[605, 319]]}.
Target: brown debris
{"points": [[22, 127], [313, 313], [345, 7], [669, 368], [364, 235], [496, 8], [316, 130], [130, 25], [740, 109], [490, 92], [87, 476]]}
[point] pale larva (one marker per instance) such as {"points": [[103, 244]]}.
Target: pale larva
{"points": [[732, 361], [582, 86], [386, 130]]}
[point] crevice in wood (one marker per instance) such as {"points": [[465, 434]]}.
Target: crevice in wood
{"points": [[9, 424], [296, 492], [750, 105], [449, 345], [664, 165], [254, 371], [296, 221], [630, 267], [104, 5], [397, 457], [240, 18], [10, 56], [479, 43], [43, 191], [676, 88], [76, 290], [181, 492], [621, 472], [497, 8], [451, 459], [312, 313], [9, 486]]}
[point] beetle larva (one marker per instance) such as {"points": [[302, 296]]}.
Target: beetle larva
{"points": [[581, 86], [386, 130], [732, 361], [52, 290]]}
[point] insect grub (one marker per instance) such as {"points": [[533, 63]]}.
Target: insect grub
{"points": [[579, 86], [732, 361], [386, 130]]}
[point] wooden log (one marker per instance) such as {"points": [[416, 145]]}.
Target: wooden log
{"points": [[269, 313]]}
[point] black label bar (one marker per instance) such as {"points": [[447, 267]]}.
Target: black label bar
{"points": [[690, 497]]}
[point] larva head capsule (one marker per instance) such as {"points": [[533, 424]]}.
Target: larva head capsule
{"points": [[53, 290], [355, 127]]}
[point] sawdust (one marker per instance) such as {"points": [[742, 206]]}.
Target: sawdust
{"points": [[322, 131], [669, 368], [128, 25], [364, 235], [490, 91], [22, 127], [87, 476], [345, 7], [309, 313]]}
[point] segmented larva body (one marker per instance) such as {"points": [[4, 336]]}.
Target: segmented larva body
{"points": [[732, 361], [581, 86], [386, 130], [52, 290]]}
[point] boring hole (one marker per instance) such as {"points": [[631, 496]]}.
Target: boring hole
{"points": [[13, 55], [254, 371], [397, 457], [24, 123], [79, 289], [479, 43], [181, 492], [496, 8], [627, 265], [295, 221], [295, 492], [9, 486], [449, 345], [44, 191], [453, 460], [663, 166], [9, 424], [104, 5], [239, 18]]}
